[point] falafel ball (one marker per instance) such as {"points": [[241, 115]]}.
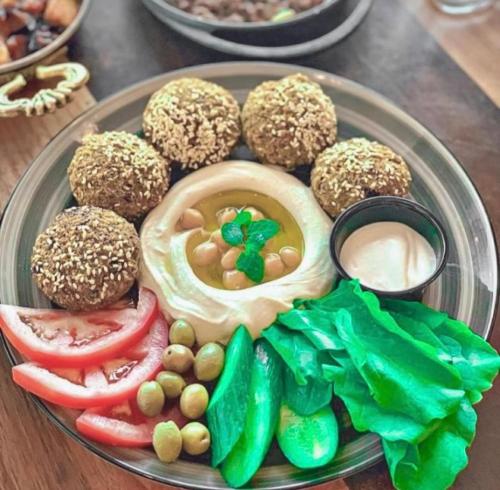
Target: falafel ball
{"points": [[88, 258], [118, 171], [289, 121], [356, 169], [193, 122]]}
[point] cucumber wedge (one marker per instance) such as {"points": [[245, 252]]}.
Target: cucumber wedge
{"points": [[227, 409], [310, 441], [262, 416]]}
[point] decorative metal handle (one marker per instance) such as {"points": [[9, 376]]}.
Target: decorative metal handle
{"points": [[48, 99]]}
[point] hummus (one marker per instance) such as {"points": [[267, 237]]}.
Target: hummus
{"points": [[215, 313]]}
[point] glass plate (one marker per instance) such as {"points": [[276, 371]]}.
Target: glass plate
{"points": [[467, 289]]}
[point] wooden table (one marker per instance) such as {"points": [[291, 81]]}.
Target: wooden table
{"points": [[392, 53]]}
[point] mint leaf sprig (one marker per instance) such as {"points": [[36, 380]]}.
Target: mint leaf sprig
{"points": [[254, 236]]}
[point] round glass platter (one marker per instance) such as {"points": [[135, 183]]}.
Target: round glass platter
{"points": [[467, 289]]}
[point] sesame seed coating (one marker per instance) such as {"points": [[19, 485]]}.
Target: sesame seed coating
{"points": [[192, 122], [288, 122], [118, 171], [356, 169], [88, 258]]}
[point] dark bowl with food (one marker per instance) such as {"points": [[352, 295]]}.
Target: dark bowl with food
{"points": [[34, 34], [251, 17], [37, 34]]}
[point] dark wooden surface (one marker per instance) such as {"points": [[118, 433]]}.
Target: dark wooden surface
{"points": [[390, 52]]}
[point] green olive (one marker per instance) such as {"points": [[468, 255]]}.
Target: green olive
{"points": [[150, 398], [194, 401], [177, 358], [172, 383], [167, 441], [195, 438], [181, 332], [209, 362]]}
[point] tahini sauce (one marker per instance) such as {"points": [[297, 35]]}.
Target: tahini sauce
{"points": [[388, 256]]}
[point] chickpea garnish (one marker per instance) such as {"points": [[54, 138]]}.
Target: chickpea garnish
{"points": [[273, 265], [229, 259], [291, 257], [255, 213], [226, 215], [206, 253], [216, 237], [234, 280], [192, 218]]}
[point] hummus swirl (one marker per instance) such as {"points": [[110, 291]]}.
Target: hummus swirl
{"points": [[215, 313]]}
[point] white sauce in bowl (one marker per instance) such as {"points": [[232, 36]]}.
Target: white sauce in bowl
{"points": [[388, 256]]}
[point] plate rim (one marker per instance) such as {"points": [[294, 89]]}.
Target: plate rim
{"points": [[251, 68]]}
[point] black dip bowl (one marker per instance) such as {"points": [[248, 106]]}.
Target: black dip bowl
{"points": [[398, 209]]}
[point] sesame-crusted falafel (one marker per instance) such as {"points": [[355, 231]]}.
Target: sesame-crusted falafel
{"points": [[356, 169], [288, 122], [192, 122], [118, 171], [88, 258]]}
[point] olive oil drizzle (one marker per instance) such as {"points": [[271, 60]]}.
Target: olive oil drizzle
{"points": [[289, 235]]}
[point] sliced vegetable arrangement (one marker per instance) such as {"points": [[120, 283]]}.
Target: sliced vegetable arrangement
{"points": [[124, 425], [63, 338], [251, 448], [98, 362], [249, 407], [403, 370], [109, 384], [228, 407], [409, 374], [308, 441]]}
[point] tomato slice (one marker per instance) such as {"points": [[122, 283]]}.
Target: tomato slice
{"points": [[140, 349], [124, 425], [67, 339], [109, 384]]}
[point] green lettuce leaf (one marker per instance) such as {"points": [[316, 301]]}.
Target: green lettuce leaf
{"points": [[331, 302], [365, 413], [305, 388], [402, 374], [297, 352], [477, 361], [315, 325], [434, 462], [409, 374], [309, 398]]}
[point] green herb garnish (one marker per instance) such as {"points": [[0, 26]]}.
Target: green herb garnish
{"points": [[253, 235], [243, 218], [252, 264], [233, 234]]}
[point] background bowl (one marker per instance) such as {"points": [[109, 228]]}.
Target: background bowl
{"points": [[27, 64], [164, 10], [302, 35], [467, 288]]}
